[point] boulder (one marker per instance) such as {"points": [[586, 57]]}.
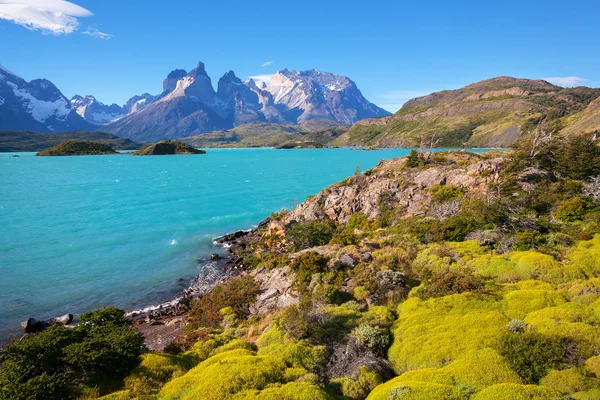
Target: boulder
{"points": [[64, 320], [32, 325], [348, 261]]}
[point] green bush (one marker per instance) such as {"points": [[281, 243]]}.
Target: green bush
{"points": [[372, 337], [443, 193], [64, 363], [573, 209], [516, 326], [307, 264], [311, 233], [528, 240], [444, 283], [532, 355], [344, 238], [237, 293], [412, 160]]}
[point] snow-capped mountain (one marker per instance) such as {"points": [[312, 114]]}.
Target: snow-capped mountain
{"points": [[96, 112], [313, 94], [189, 105], [36, 106]]}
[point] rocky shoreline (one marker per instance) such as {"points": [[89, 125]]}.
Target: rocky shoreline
{"points": [[162, 323]]}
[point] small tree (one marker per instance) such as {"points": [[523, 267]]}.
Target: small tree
{"points": [[412, 160]]}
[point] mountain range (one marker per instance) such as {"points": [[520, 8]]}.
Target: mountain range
{"points": [[36, 106], [188, 105], [490, 113]]}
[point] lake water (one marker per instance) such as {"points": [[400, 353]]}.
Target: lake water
{"points": [[78, 233]]}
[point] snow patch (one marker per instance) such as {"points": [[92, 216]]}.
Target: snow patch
{"points": [[42, 110]]}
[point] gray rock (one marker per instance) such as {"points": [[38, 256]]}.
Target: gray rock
{"points": [[32, 325], [348, 261], [64, 320]]}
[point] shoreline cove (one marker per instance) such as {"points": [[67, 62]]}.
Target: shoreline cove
{"points": [[128, 291]]}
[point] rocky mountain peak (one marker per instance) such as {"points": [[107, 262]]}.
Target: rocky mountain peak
{"points": [[228, 85], [170, 83], [200, 70]]}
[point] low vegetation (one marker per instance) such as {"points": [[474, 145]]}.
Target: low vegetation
{"points": [[72, 148]]}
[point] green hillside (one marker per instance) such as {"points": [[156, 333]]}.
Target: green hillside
{"points": [[491, 113], [314, 133]]}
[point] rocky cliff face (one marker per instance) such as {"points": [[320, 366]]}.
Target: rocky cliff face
{"points": [[391, 183], [491, 113], [37, 106]]}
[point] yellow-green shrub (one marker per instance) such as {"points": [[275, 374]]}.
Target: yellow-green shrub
{"points": [[225, 374], [513, 391], [434, 332], [567, 381], [586, 256], [519, 303], [359, 386], [592, 365], [476, 370], [289, 391], [570, 320], [395, 390], [294, 353], [153, 372], [534, 265]]}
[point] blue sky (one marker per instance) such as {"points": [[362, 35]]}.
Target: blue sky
{"points": [[393, 50]]}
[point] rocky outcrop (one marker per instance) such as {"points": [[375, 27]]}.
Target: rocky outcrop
{"points": [[391, 182], [276, 290], [31, 325]]}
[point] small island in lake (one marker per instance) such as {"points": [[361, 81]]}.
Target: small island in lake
{"points": [[74, 148], [165, 147]]}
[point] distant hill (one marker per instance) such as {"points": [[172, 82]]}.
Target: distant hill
{"points": [[36, 141], [491, 113], [263, 134]]}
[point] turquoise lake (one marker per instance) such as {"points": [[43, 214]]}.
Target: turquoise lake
{"points": [[79, 233]]}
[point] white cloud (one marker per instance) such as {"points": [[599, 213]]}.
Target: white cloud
{"points": [[266, 78], [93, 31], [267, 63], [568, 81], [392, 101], [50, 16]]}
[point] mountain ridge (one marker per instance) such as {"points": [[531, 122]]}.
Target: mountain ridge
{"points": [[189, 105], [490, 113]]}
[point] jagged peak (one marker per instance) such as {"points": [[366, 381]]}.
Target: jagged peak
{"points": [[177, 74], [200, 70], [230, 75]]}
